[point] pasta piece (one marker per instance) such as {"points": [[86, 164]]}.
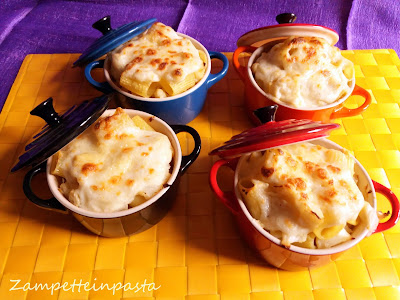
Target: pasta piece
{"points": [[309, 243], [203, 56], [139, 199], [144, 89], [327, 233], [173, 88], [276, 233], [252, 190], [90, 162], [341, 237], [159, 93], [139, 122], [367, 219], [354, 222], [199, 74], [56, 165], [348, 71]]}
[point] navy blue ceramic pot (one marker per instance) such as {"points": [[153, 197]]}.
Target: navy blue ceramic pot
{"points": [[132, 220], [179, 109]]}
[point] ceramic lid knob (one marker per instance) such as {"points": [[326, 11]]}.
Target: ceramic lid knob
{"points": [[285, 29], [103, 25], [60, 129], [45, 110], [286, 18], [111, 38], [266, 114]]}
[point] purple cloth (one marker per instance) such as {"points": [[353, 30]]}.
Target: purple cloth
{"points": [[374, 24], [12, 13], [65, 27], [39, 26], [218, 24]]}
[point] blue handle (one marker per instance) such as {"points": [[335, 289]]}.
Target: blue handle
{"points": [[51, 203], [187, 160], [214, 78], [103, 87]]}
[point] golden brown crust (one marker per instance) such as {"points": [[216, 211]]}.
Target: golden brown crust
{"points": [[89, 167], [151, 52], [298, 183], [267, 172]]}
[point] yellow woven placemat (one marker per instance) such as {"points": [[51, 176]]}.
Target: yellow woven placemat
{"points": [[195, 251]]}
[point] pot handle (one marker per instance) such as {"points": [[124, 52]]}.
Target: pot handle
{"points": [[214, 78], [238, 67], [187, 160], [51, 203], [227, 198], [394, 202], [103, 87], [347, 112]]}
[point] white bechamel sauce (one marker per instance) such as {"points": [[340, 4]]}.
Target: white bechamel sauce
{"points": [[304, 72]]}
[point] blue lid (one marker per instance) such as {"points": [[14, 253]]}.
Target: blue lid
{"points": [[111, 38], [60, 129]]}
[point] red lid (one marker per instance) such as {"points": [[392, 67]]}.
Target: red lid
{"points": [[273, 134], [285, 29]]}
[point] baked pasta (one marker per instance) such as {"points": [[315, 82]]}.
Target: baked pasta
{"points": [[304, 72], [158, 63], [305, 195], [116, 163]]}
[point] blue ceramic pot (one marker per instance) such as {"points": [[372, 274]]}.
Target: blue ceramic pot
{"points": [[179, 109]]}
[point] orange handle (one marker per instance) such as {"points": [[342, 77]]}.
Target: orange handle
{"points": [[347, 112], [238, 67]]}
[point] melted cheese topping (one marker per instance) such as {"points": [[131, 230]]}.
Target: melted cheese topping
{"points": [[113, 165], [304, 72], [304, 193], [159, 53]]}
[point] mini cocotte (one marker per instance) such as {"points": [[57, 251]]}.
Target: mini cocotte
{"points": [[158, 63], [304, 72], [299, 200], [117, 163], [305, 195]]}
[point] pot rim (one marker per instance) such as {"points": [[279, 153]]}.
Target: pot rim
{"points": [[258, 52], [313, 252], [253, 36], [177, 158], [197, 45]]}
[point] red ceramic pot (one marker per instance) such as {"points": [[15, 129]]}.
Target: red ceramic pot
{"points": [[262, 40], [293, 257]]}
